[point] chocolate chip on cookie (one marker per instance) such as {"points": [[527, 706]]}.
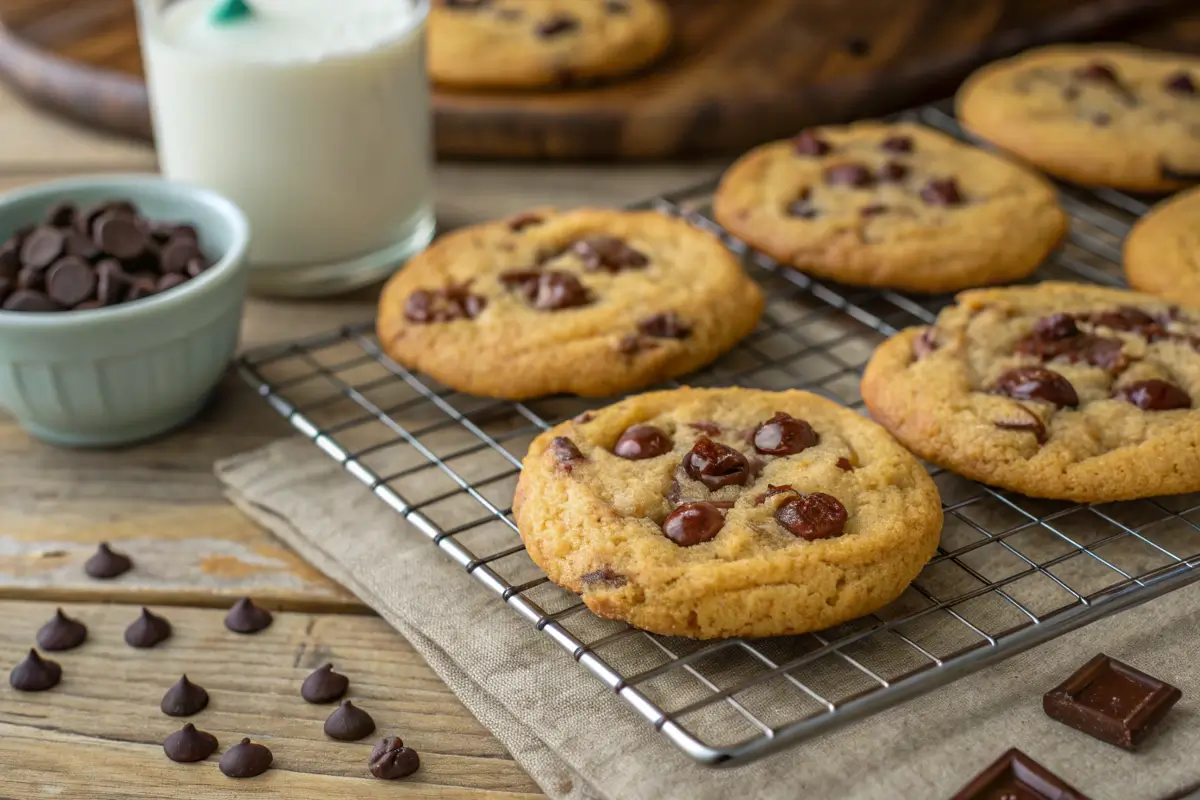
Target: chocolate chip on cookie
{"points": [[849, 174], [897, 144], [773, 490], [813, 516], [522, 221], [716, 465], [605, 577], [1097, 71], [1154, 395], [807, 143], [566, 453], [942, 192], [665, 326], [446, 304], [557, 25], [873, 210], [892, 172], [553, 291], [802, 207], [1034, 383], [693, 523], [642, 441], [1180, 83], [608, 253], [925, 344], [1028, 421], [784, 435], [1132, 320]]}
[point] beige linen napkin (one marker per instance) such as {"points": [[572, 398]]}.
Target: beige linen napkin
{"points": [[579, 741]]}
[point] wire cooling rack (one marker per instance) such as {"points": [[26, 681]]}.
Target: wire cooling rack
{"points": [[1011, 572]]}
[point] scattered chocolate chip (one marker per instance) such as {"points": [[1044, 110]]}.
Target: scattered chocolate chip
{"points": [[147, 630], [857, 46], [1111, 701], [608, 253], [873, 210], [522, 221], [557, 25], [566, 454], [1180, 83], [844, 464], [1029, 422], [693, 523], [390, 759], [30, 300], [446, 304], [604, 577], [107, 563], [855, 175], [711, 428], [1034, 383], [642, 441], [111, 282], [61, 215], [773, 490], [35, 674], [177, 253], [61, 633], [324, 685], [246, 760], [807, 143], [70, 281], [184, 699], [188, 745], [784, 435], [942, 192], [119, 236], [665, 326], [1016, 776], [897, 144], [79, 245], [925, 344], [813, 516], [348, 723], [1097, 71], [715, 464], [246, 617], [43, 247], [1154, 395]]}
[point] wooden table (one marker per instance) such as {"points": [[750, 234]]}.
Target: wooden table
{"points": [[98, 734]]}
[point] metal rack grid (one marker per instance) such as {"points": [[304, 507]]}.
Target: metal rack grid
{"points": [[1011, 572]]}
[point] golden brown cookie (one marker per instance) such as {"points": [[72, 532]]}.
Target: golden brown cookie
{"points": [[1058, 390], [891, 205], [1162, 252], [711, 513], [590, 302], [531, 44], [1099, 115]]}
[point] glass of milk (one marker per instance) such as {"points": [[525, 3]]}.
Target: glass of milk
{"points": [[312, 115]]}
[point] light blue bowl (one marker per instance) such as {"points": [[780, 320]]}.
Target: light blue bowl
{"points": [[127, 372]]}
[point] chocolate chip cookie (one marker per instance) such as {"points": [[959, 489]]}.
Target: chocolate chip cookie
{"points": [[1099, 115], [532, 44], [1162, 252], [711, 513], [898, 206], [589, 302], [1059, 390]]}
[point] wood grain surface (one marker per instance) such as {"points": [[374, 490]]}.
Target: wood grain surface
{"points": [[737, 74]]}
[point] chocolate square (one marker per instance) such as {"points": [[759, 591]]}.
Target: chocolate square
{"points": [[1016, 776], [1111, 701]]}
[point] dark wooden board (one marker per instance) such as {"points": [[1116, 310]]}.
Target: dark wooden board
{"points": [[740, 71]]}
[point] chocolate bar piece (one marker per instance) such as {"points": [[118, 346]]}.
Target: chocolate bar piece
{"points": [[1016, 776], [1111, 701]]}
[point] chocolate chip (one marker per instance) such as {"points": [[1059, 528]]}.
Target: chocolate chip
{"points": [[168, 281], [184, 699], [584, 418], [1180, 83], [147, 630], [177, 253], [942, 192], [10, 261], [925, 344], [608, 253], [1034, 383], [522, 221], [802, 207], [642, 441], [324, 685], [30, 300], [857, 46], [893, 172], [1130, 319], [1056, 326], [6, 288], [604, 577], [35, 674], [711, 428], [246, 760], [773, 490], [866, 212], [784, 435], [348, 723], [557, 25], [61, 215], [188, 745], [79, 245], [43, 247], [807, 143], [844, 465], [634, 344], [446, 304], [31, 279], [198, 265], [555, 290], [693, 523], [1097, 71], [61, 633], [111, 282], [1154, 395], [246, 617], [665, 326], [813, 516], [140, 286], [107, 563], [390, 759], [70, 281], [566, 454], [119, 236], [897, 144], [716, 465], [1029, 422], [855, 175]]}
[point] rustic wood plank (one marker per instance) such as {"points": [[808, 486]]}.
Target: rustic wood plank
{"points": [[98, 734]]}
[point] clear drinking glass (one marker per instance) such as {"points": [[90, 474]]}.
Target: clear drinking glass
{"points": [[313, 116]]}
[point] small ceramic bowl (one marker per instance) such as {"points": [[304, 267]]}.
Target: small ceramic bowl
{"points": [[127, 372]]}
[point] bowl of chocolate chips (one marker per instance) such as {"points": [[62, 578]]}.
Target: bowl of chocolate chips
{"points": [[120, 304]]}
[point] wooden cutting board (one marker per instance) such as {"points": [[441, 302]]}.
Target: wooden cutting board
{"points": [[740, 71]]}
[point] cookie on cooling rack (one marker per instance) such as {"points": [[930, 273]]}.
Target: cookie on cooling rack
{"points": [[1100, 115], [590, 302], [1058, 390], [711, 513], [1162, 252], [891, 205], [531, 44]]}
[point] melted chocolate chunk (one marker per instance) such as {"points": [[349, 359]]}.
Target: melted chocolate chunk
{"points": [[61, 633], [184, 699], [566, 454], [711, 428], [807, 143], [855, 175], [1129, 319], [716, 465], [844, 465], [665, 326], [605, 578], [925, 344], [784, 435], [813, 516], [1029, 422], [802, 207], [446, 304], [1097, 71], [608, 253], [1055, 327], [246, 760], [1154, 395], [1034, 383], [522, 221], [324, 685], [557, 25], [693, 523], [1180, 83], [391, 760], [942, 192], [188, 745], [553, 291], [1057, 337], [892, 172], [897, 144], [773, 490], [642, 441]]}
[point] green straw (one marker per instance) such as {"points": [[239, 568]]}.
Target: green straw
{"points": [[226, 12]]}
